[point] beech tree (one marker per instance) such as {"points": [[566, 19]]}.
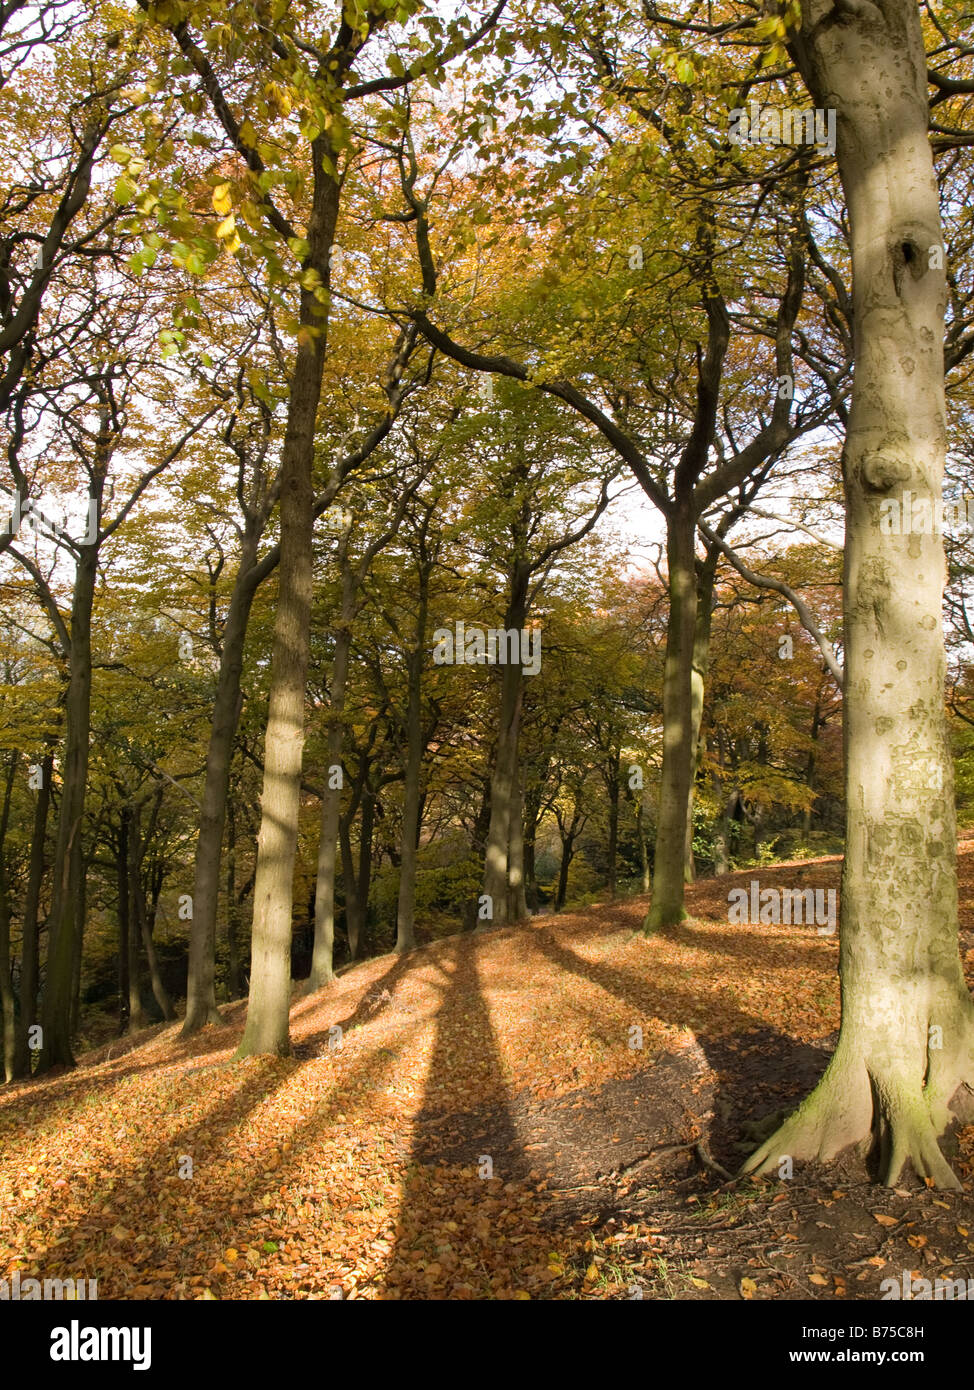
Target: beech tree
{"points": [[904, 1063]]}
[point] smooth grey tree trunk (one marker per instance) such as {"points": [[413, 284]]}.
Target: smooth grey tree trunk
{"points": [[666, 908], [267, 1030], [905, 1057]]}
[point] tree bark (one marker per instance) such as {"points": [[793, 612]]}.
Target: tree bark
{"points": [[268, 1008], [32, 899], [905, 1057], [142, 924], [322, 957], [124, 919], [413, 771], [497, 857], [667, 908], [643, 846], [517, 903], [7, 1002], [706, 575], [235, 983], [66, 920], [366, 832], [201, 981], [612, 850]]}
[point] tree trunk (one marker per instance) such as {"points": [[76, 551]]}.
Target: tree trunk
{"points": [[7, 1004], [706, 574], [124, 920], [65, 922], [366, 831], [612, 850], [349, 887], [201, 981], [322, 957], [32, 899], [722, 830], [270, 974], [235, 984], [567, 854], [906, 1046], [136, 1013], [78, 946], [478, 847], [643, 846], [517, 903], [497, 857], [7, 1008], [532, 808], [406, 907], [667, 907], [140, 912]]}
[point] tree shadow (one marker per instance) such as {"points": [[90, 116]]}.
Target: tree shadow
{"points": [[195, 1217], [757, 1068], [462, 1157]]}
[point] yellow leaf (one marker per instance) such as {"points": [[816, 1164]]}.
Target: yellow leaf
{"points": [[962, 1230], [221, 199], [748, 1288], [591, 1273], [698, 1283], [230, 1255], [226, 227], [523, 1295], [248, 136], [817, 1279]]}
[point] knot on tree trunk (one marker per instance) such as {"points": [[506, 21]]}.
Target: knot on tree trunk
{"points": [[882, 470]]}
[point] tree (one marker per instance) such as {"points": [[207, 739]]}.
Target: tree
{"points": [[904, 1064]]}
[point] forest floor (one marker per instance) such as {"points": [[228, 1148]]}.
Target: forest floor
{"points": [[488, 1128]]}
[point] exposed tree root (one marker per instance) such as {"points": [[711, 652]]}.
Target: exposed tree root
{"points": [[853, 1106]]}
